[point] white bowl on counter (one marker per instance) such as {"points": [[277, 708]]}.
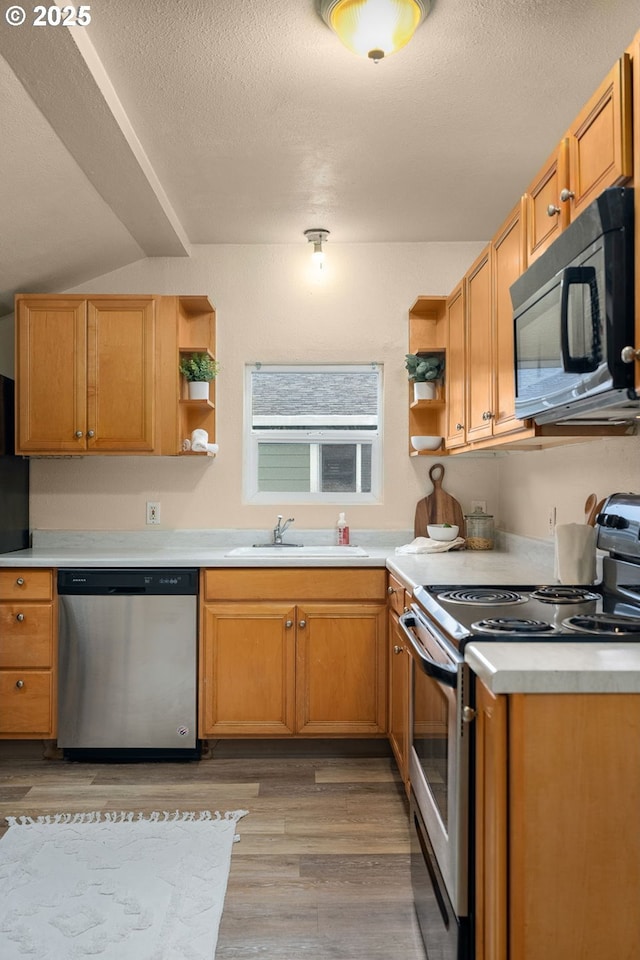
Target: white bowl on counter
{"points": [[426, 443], [438, 531]]}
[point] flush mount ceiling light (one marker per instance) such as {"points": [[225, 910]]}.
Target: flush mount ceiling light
{"points": [[317, 238], [374, 28]]}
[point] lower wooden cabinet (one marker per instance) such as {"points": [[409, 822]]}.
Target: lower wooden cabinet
{"points": [[28, 658], [304, 659], [399, 691], [557, 834]]}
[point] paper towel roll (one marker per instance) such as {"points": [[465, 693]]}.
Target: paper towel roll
{"points": [[575, 557]]}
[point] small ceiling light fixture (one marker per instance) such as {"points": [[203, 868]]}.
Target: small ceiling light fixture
{"points": [[374, 28], [317, 238]]}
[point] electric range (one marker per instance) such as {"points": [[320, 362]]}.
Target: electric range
{"points": [[607, 611]]}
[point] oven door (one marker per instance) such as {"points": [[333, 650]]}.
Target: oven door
{"points": [[439, 752]]}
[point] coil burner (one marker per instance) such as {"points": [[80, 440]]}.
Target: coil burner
{"points": [[560, 594], [511, 626], [488, 596], [605, 625]]}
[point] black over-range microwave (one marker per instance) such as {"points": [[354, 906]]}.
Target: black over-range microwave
{"points": [[573, 317]]}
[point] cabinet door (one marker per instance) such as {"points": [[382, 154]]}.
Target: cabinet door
{"points": [[479, 350], [455, 374], [399, 680], [51, 375], [121, 375], [247, 669], [509, 262], [491, 825], [546, 215], [600, 140], [341, 669]]}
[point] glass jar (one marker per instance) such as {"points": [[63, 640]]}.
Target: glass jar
{"points": [[479, 530]]}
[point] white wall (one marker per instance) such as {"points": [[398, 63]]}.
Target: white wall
{"points": [[269, 308]]}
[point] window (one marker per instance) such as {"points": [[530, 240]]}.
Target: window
{"points": [[313, 433]]}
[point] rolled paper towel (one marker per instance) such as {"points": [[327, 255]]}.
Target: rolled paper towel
{"points": [[199, 441], [575, 558], [212, 449]]}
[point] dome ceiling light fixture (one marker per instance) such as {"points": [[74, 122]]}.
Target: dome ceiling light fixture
{"points": [[317, 238], [374, 28]]}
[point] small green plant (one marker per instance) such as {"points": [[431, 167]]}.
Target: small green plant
{"points": [[199, 366], [424, 368]]}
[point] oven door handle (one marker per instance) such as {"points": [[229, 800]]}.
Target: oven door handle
{"points": [[438, 671]]}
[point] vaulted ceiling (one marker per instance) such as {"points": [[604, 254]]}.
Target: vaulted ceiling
{"points": [[176, 122]]}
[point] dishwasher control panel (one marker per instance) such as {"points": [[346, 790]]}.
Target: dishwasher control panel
{"points": [[181, 581]]}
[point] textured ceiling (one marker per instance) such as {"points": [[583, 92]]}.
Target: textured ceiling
{"points": [[166, 123]]}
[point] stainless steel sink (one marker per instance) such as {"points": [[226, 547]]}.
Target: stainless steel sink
{"points": [[296, 550]]}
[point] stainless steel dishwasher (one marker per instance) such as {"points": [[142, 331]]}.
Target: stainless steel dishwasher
{"points": [[127, 663]]}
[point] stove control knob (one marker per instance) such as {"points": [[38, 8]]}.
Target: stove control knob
{"points": [[468, 714]]}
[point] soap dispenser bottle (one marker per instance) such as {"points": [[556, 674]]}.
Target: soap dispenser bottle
{"points": [[342, 531]]}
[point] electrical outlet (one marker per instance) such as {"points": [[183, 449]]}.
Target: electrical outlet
{"points": [[478, 505], [551, 521], [153, 511]]}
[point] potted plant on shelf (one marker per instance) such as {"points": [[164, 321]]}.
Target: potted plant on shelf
{"points": [[198, 369], [425, 371]]}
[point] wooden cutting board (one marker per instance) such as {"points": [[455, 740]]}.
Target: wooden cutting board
{"points": [[438, 507]]}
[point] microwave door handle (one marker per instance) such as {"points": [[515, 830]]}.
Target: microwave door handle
{"points": [[437, 671], [579, 276]]}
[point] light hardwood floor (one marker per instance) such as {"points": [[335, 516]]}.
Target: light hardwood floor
{"points": [[322, 867]]}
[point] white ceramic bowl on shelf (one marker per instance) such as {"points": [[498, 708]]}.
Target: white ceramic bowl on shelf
{"points": [[438, 531], [426, 443]]}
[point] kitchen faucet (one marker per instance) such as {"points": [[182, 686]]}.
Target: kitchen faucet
{"points": [[280, 528]]}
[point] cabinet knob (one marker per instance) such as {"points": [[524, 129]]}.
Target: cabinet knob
{"points": [[20, 617], [459, 426], [487, 415], [20, 581], [79, 434], [91, 433], [19, 684], [468, 714], [302, 624], [566, 195], [552, 210], [390, 591], [629, 354], [397, 649], [288, 624]]}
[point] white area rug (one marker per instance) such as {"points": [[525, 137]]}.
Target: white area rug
{"points": [[115, 886]]}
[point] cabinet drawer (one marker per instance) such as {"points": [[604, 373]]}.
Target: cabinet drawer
{"points": [[396, 595], [28, 584], [297, 583], [26, 631], [26, 709]]}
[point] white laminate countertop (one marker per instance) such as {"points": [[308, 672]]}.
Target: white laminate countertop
{"points": [[556, 667], [519, 560], [549, 667]]}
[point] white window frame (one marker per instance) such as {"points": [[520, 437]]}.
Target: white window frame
{"points": [[251, 438]]}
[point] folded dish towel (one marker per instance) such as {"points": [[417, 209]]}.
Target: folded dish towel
{"points": [[427, 545], [575, 558]]}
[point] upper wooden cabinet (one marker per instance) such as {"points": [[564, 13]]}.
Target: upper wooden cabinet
{"points": [[508, 249], [456, 368], [596, 153], [86, 374], [99, 374], [479, 362]]}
